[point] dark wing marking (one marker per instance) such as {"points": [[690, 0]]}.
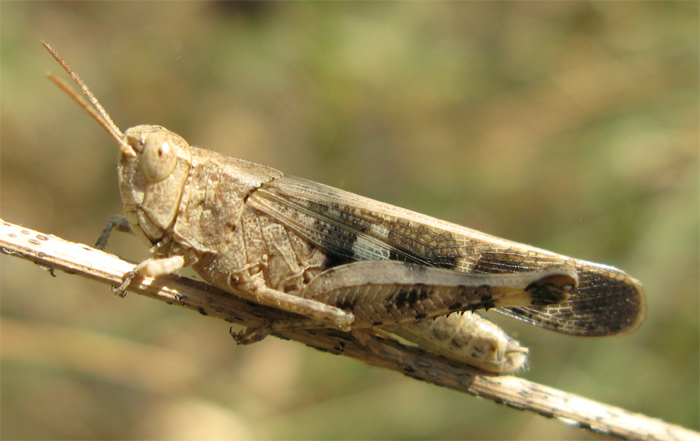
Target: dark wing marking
{"points": [[348, 232], [349, 227], [607, 301]]}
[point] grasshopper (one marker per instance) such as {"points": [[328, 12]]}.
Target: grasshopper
{"points": [[348, 262]]}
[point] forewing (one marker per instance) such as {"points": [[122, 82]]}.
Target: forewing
{"points": [[348, 228], [607, 301]]}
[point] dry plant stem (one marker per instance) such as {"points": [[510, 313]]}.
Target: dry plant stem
{"points": [[52, 253]]}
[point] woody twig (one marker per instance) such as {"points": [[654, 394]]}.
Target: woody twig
{"points": [[55, 253]]}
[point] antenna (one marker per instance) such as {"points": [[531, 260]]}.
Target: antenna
{"points": [[93, 107]]}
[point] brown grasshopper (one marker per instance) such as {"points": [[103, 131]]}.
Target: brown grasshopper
{"points": [[345, 261]]}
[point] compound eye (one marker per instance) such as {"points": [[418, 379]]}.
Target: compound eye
{"points": [[158, 158]]}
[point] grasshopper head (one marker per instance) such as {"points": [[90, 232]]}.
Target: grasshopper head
{"points": [[153, 165], [151, 180]]}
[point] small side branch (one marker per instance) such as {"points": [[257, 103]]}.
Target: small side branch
{"points": [[55, 253]]}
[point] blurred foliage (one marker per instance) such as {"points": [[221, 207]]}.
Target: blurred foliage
{"points": [[569, 125]]}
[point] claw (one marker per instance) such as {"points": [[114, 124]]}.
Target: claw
{"points": [[126, 281], [251, 334]]}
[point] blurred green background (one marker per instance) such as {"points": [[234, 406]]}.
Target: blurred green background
{"points": [[572, 126]]}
